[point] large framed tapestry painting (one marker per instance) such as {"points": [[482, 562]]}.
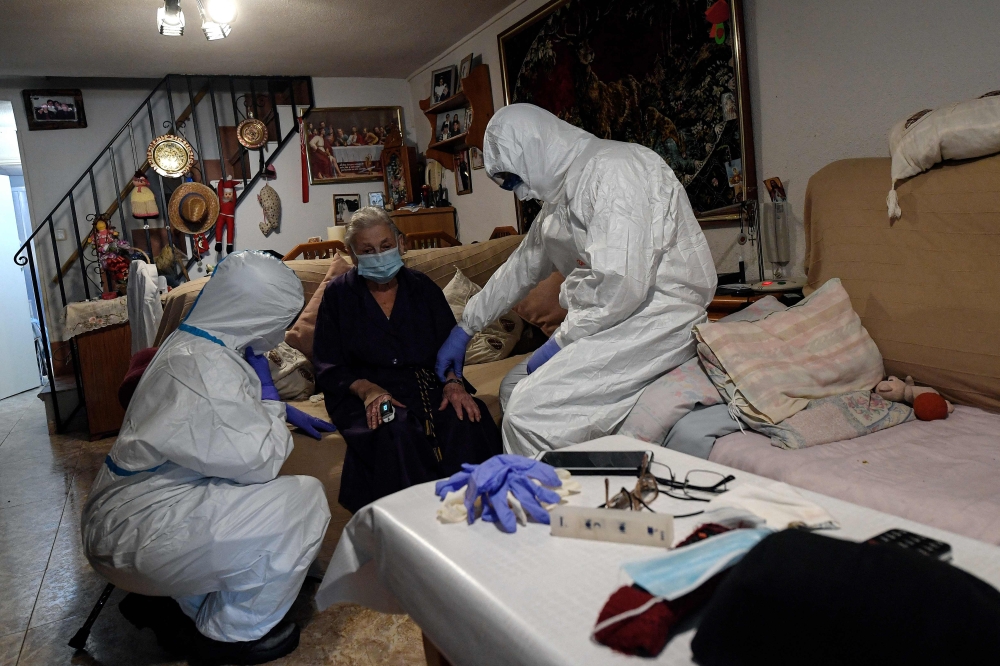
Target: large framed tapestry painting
{"points": [[345, 145], [670, 75]]}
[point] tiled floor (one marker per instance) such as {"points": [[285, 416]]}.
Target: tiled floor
{"points": [[47, 588]]}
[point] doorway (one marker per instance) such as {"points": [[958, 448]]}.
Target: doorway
{"points": [[19, 368]]}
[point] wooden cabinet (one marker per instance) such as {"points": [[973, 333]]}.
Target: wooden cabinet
{"points": [[104, 357], [426, 219], [726, 304], [477, 94]]}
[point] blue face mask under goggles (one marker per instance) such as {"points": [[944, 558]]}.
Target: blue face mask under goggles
{"points": [[380, 267], [507, 181]]}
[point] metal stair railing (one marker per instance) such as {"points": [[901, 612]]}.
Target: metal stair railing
{"points": [[79, 278]]}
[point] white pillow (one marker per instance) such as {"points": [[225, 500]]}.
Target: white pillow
{"points": [[493, 343], [955, 132]]}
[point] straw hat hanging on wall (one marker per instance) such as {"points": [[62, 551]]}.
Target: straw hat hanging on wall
{"points": [[193, 208]]}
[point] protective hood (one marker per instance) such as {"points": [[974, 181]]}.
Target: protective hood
{"points": [[250, 300], [526, 140]]}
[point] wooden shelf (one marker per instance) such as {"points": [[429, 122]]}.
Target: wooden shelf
{"points": [[451, 144], [456, 101], [477, 93]]}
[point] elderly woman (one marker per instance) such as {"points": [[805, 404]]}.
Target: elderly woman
{"points": [[377, 335]]}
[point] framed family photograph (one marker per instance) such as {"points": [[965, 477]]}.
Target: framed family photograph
{"points": [[476, 157], [648, 72], [463, 70], [344, 144], [54, 109], [463, 173], [345, 205], [443, 82]]}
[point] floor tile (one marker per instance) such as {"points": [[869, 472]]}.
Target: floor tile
{"points": [[33, 480], [113, 642], [17, 597], [70, 586], [37, 443], [10, 647], [27, 533]]}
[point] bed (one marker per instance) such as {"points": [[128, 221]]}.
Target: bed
{"points": [[925, 288]]}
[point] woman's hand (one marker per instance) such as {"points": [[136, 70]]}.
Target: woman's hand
{"points": [[456, 395], [372, 410]]}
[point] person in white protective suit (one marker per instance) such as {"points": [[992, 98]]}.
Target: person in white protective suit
{"points": [[187, 504], [618, 225]]}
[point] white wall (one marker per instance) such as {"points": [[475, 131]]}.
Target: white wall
{"points": [[827, 81], [299, 221]]}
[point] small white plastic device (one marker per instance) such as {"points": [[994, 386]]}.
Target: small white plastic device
{"points": [[639, 527]]}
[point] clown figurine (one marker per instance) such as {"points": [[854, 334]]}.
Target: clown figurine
{"points": [[226, 223]]}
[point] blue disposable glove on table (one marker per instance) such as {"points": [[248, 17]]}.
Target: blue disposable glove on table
{"points": [[451, 356], [543, 354], [259, 363], [491, 480], [309, 424]]}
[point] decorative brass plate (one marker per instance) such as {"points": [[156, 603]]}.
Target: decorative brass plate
{"points": [[252, 133], [170, 155]]}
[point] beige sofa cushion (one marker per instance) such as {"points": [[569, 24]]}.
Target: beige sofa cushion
{"points": [[478, 261], [924, 286], [496, 341], [300, 336]]}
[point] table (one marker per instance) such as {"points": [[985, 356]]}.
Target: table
{"points": [[726, 304], [485, 597]]}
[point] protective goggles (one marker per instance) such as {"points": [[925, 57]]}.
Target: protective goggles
{"points": [[507, 181]]}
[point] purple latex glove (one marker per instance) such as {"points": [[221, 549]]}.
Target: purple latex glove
{"points": [[543, 354], [309, 424], [259, 364], [492, 479], [451, 356]]}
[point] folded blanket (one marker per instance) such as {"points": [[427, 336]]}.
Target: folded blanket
{"points": [[770, 369]]}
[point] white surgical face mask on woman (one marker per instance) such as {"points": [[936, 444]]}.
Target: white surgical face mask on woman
{"points": [[380, 267]]}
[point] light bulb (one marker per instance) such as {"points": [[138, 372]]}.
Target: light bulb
{"points": [[170, 18], [222, 11]]}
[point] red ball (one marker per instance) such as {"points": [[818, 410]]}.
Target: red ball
{"points": [[930, 407]]}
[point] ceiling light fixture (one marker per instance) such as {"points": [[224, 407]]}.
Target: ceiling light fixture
{"points": [[213, 29], [222, 11], [170, 18]]}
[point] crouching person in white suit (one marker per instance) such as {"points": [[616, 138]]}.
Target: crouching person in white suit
{"points": [[188, 505], [617, 224]]}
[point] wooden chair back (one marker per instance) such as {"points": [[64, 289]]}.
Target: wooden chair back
{"points": [[503, 232], [425, 240], [320, 250]]}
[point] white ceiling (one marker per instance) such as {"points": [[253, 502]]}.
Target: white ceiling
{"points": [[375, 38]]}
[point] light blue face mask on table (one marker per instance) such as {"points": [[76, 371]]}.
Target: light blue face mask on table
{"points": [[685, 569], [380, 267]]}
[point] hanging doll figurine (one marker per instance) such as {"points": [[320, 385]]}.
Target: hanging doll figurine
{"points": [[227, 214], [110, 247], [142, 198]]}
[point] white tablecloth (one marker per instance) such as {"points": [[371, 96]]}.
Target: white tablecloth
{"points": [[357, 153], [87, 316], [485, 597]]}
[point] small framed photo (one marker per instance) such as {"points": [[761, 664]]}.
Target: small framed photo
{"points": [[464, 69], [376, 199], [443, 83], [54, 109], [476, 157], [463, 173], [345, 205]]}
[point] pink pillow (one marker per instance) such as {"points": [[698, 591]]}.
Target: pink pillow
{"points": [[300, 336]]}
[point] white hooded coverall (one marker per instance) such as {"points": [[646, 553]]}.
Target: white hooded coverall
{"points": [[618, 225], [187, 504]]}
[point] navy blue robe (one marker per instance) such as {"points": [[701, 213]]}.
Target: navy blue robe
{"points": [[354, 340]]}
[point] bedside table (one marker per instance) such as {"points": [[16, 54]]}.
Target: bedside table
{"points": [[726, 304]]}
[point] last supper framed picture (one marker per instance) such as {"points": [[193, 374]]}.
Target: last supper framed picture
{"points": [[671, 76]]}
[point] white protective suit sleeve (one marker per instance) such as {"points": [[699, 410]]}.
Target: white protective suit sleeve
{"points": [[225, 430], [621, 252], [526, 267]]}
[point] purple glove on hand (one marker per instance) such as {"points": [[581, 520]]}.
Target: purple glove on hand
{"points": [[310, 424], [259, 363], [543, 354]]}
